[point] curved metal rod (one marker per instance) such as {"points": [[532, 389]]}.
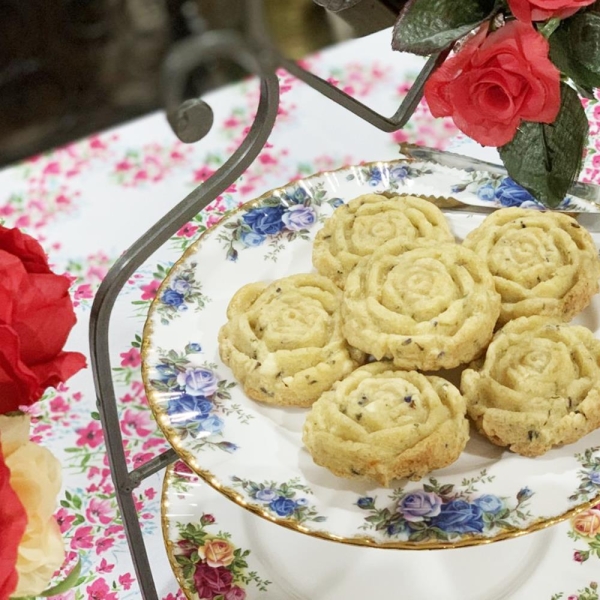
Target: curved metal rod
{"points": [[388, 124], [203, 49]]}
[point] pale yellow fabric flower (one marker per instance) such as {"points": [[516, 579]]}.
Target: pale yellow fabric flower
{"points": [[36, 478]]}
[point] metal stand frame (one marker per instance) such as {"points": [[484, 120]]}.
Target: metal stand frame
{"points": [[191, 120]]}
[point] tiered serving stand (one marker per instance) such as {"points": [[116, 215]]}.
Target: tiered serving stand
{"points": [[191, 120]]}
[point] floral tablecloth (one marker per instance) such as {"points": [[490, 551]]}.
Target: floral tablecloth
{"points": [[88, 201]]}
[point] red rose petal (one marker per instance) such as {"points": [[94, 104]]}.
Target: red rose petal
{"points": [[18, 384], [61, 368], [495, 82], [43, 317], [12, 277], [13, 522], [26, 248]]}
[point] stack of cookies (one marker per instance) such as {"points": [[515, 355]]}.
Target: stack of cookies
{"points": [[396, 291]]}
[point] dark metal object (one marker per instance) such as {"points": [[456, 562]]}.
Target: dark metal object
{"points": [[365, 16], [191, 120], [125, 480]]}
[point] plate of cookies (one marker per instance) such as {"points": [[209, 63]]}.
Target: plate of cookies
{"points": [[398, 354]]}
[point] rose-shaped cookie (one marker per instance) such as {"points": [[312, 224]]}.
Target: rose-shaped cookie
{"points": [[543, 263], [538, 385], [36, 316], [540, 10], [494, 82], [426, 307], [358, 228], [381, 423], [284, 342]]}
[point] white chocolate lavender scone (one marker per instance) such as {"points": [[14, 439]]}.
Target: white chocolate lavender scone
{"points": [[358, 228], [538, 385], [425, 307], [283, 341], [381, 423], [543, 263]]}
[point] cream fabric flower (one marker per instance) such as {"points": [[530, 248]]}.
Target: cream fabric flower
{"points": [[36, 479]]}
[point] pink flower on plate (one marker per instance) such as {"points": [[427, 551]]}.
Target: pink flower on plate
{"points": [[235, 593], [126, 580], [100, 590], [91, 435], [135, 422], [99, 511], [131, 358], [82, 538], [149, 290]]}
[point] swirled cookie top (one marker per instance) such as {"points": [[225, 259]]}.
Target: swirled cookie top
{"points": [[357, 229], [425, 307], [543, 263]]}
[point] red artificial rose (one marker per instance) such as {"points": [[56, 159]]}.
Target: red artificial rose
{"points": [[13, 522], [540, 10], [495, 82], [36, 316], [211, 582]]}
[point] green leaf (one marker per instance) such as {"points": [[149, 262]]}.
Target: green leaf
{"points": [[66, 584], [446, 489], [575, 50], [428, 26], [546, 159], [584, 31]]}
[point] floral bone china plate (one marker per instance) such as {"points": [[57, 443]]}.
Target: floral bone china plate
{"points": [[219, 550], [253, 453]]}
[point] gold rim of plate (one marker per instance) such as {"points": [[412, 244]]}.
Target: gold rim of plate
{"points": [[189, 459]]}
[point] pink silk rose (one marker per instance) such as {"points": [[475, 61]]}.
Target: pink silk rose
{"points": [[36, 316], [496, 81], [541, 10]]}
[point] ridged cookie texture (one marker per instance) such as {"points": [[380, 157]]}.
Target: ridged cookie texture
{"points": [[424, 307], [283, 341], [543, 263], [357, 229], [381, 423], [538, 386]]}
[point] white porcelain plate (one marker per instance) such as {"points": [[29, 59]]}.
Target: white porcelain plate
{"points": [[218, 550], [253, 453]]}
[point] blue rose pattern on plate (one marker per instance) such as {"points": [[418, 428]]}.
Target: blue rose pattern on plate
{"points": [[501, 191], [443, 512], [589, 475], [390, 177], [198, 398], [281, 499], [277, 220], [182, 293]]}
